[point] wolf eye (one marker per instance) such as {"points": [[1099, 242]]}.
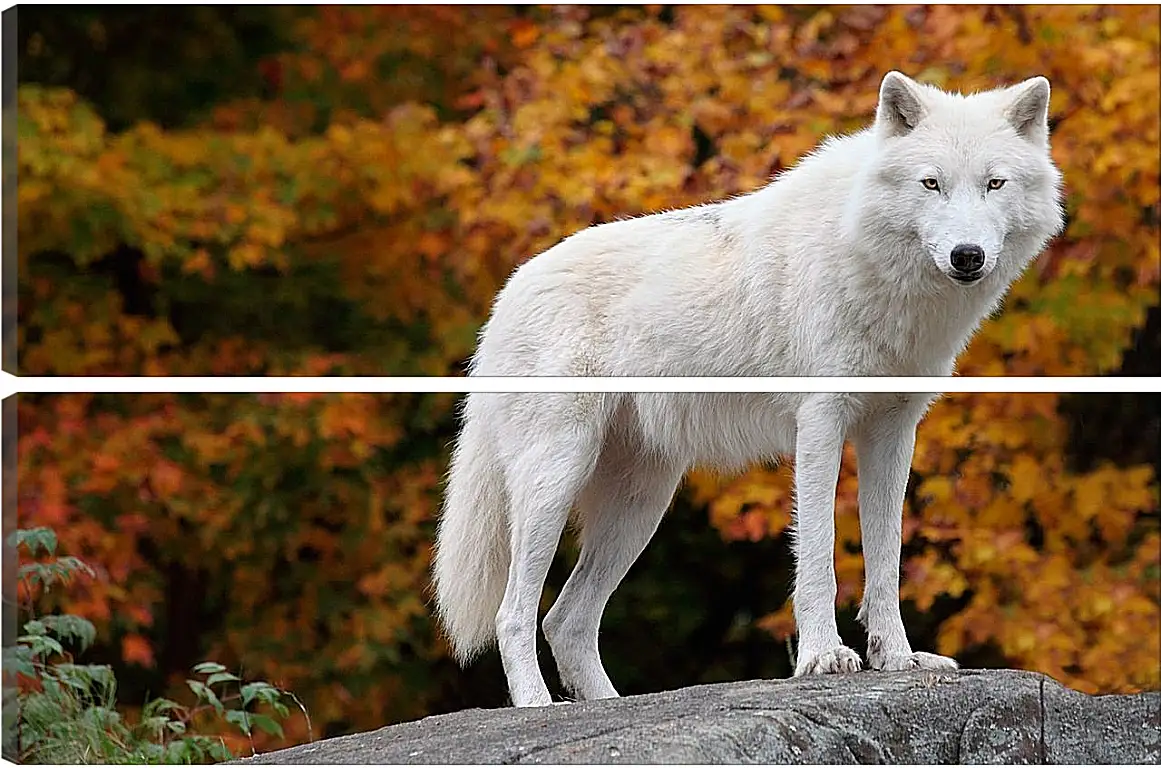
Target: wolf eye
{"points": [[994, 184], [930, 183]]}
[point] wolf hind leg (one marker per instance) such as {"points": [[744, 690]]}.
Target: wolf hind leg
{"points": [[548, 464], [621, 508]]}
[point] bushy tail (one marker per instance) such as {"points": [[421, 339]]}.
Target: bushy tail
{"points": [[470, 571]]}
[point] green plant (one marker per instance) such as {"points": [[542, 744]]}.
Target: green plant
{"points": [[57, 711]]}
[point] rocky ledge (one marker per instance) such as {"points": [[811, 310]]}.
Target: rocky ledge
{"points": [[971, 716]]}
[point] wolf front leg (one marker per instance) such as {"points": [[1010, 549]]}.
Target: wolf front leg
{"points": [[885, 446], [818, 453]]}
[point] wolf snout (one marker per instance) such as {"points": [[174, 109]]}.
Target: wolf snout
{"points": [[967, 262]]}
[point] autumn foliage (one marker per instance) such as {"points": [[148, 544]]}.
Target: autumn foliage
{"points": [[358, 216]]}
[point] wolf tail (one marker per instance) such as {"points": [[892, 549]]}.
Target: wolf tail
{"points": [[470, 570]]}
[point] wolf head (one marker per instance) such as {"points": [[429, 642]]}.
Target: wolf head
{"points": [[968, 177]]}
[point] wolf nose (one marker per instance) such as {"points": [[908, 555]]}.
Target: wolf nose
{"points": [[967, 259]]}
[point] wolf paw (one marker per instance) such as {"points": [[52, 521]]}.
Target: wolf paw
{"points": [[533, 699], [833, 661], [895, 662]]}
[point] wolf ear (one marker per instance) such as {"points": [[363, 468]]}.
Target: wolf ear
{"points": [[901, 105], [1027, 109]]}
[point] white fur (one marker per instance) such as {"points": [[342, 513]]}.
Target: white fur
{"points": [[840, 266]]}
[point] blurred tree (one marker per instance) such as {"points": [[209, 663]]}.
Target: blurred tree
{"points": [[166, 64], [347, 197]]}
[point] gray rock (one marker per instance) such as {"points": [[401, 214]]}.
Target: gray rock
{"points": [[971, 716]]}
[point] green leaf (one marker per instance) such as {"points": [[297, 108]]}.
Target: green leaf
{"points": [[87, 677], [155, 726], [242, 719], [34, 539], [208, 667], [72, 565], [69, 627], [219, 752], [41, 645], [102, 717], [221, 677], [205, 694], [35, 627], [18, 658], [37, 572], [263, 691], [267, 724], [180, 752], [160, 706], [58, 572]]}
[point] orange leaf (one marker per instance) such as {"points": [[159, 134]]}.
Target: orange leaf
{"points": [[524, 33], [135, 649]]}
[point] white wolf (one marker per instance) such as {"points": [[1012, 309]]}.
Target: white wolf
{"points": [[879, 254]]}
